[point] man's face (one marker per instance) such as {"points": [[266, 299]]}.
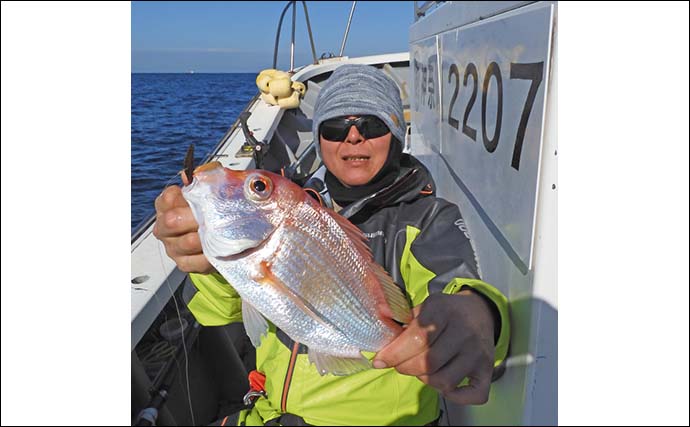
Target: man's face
{"points": [[356, 160]]}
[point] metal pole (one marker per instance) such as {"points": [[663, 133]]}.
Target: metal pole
{"points": [[311, 38], [347, 30], [280, 24], [292, 43]]}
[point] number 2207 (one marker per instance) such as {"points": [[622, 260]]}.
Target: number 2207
{"points": [[532, 71]]}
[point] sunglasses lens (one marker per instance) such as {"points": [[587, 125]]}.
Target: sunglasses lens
{"points": [[372, 127], [334, 130], [337, 129]]}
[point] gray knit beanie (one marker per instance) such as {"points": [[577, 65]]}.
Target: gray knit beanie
{"points": [[358, 89]]}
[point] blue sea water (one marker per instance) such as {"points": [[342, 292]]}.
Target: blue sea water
{"points": [[170, 111]]}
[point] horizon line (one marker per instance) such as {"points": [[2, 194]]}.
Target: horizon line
{"points": [[194, 72]]}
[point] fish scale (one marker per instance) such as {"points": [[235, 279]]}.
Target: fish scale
{"points": [[334, 255], [300, 327], [344, 308], [358, 307]]}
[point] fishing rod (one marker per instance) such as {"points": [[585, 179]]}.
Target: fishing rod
{"points": [[161, 384]]}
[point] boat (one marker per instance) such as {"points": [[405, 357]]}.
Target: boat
{"points": [[479, 87]]}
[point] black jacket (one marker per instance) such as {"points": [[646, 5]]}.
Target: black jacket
{"points": [[410, 201]]}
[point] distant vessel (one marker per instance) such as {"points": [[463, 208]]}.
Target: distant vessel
{"points": [[191, 72]]}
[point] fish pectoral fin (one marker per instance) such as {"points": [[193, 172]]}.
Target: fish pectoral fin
{"points": [[337, 365], [254, 323]]}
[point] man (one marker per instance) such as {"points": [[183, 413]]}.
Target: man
{"points": [[460, 331]]}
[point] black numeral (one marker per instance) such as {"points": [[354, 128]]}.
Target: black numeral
{"points": [[495, 71], [453, 70], [534, 72], [471, 70]]}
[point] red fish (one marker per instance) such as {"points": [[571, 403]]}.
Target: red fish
{"points": [[301, 266]]}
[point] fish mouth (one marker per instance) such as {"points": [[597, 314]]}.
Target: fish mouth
{"points": [[248, 251]]}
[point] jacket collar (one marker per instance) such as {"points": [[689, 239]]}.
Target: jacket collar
{"points": [[414, 182]]}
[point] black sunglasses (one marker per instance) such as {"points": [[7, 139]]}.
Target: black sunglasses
{"points": [[336, 129]]}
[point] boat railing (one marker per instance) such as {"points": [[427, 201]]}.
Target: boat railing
{"points": [[311, 37], [292, 41], [347, 29]]}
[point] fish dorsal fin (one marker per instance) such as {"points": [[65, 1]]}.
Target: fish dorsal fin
{"points": [[254, 323], [336, 365], [395, 297]]}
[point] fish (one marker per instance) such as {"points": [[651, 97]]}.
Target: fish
{"points": [[299, 265]]}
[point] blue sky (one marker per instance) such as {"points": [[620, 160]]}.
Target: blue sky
{"points": [[239, 36]]}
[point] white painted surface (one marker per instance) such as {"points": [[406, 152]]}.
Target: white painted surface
{"points": [[510, 212]]}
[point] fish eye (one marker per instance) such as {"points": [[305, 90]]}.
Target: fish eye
{"points": [[258, 187]]}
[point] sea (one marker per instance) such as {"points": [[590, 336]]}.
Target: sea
{"points": [[171, 111]]}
